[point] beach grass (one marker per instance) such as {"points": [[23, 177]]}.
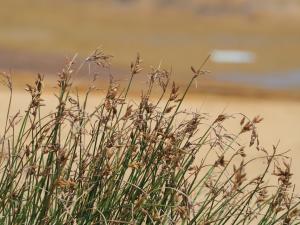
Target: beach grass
{"points": [[130, 162]]}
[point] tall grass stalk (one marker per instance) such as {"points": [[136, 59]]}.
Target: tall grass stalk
{"points": [[151, 163]]}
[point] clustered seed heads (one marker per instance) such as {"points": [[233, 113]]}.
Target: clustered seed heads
{"points": [[161, 76], [136, 66], [100, 58], [128, 162], [35, 92], [251, 126], [174, 92], [239, 175]]}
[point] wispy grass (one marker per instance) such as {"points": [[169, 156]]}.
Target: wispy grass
{"points": [[149, 163]]}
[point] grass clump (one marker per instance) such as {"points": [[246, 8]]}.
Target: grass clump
{"points": [[149, 163]]}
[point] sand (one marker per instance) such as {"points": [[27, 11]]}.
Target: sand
{"points": [[281, 117]]}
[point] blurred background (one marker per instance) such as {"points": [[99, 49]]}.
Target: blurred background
{"points": [[254, 44], [254, 47]]}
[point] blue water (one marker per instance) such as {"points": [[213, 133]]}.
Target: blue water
{"points": [[287, 80]]}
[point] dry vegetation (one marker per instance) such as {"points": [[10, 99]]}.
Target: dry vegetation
{"points": [[128, 163]]}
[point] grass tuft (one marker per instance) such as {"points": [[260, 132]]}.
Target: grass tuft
{"points": [[149, 163]]}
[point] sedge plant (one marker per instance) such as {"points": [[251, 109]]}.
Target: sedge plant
{"points": [[146, 163]]}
